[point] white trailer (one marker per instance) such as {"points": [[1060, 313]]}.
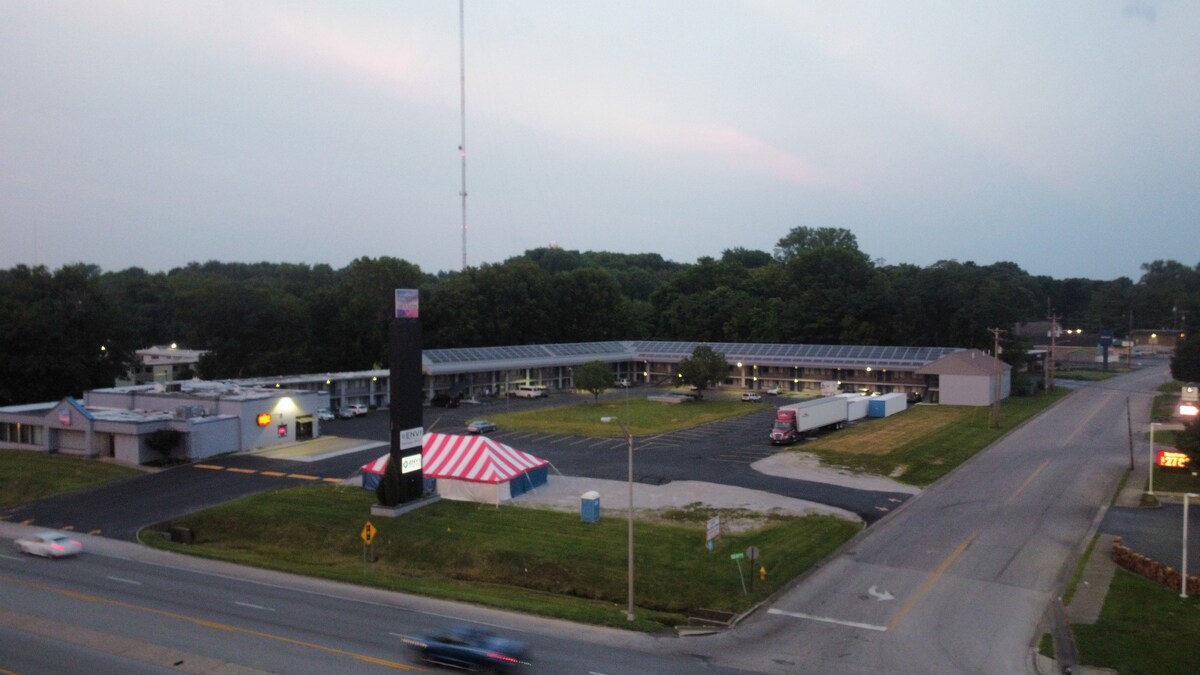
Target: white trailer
{"points": [[856, 406], [792, 421]]}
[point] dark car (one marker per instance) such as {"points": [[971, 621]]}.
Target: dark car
{"points": [[470, 648], [445, 401]]}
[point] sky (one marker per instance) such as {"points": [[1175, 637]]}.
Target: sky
{"points": [[1063, 137]]}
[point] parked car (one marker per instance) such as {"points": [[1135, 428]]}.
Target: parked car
{"points": [[623, 383], [529, 391], [324, 414], [354, 410], [470, 648], [480, 426], [774, 391], [752, 397], [50, 544], [444, 401]]}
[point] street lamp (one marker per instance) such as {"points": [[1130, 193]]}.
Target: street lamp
{"points": [[1151, 469], [1183, 576], [629, 615]]}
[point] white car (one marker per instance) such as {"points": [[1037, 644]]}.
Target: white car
{"points": [[324, 414], [50, 545], [774, 391], [752, 397], [353, 410]]}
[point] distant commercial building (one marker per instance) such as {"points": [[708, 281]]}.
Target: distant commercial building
{"points": [[485, 372], [137, 423], [147, 424]]}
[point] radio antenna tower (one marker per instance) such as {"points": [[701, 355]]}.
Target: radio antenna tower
{"points": [[462, 148]]}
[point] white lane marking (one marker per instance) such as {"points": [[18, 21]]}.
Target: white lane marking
{"points": [[126, 581], [880, 595], [246, 604], [825, 619], [10, 557]]}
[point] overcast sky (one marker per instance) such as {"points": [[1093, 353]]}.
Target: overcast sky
{"points": [[1062, 136]]}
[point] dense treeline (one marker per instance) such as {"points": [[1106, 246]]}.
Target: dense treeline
{"points": [[75, 328]]}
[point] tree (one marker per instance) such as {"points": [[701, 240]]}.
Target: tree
{"points": [[703, 368], [594, 377], [1185, 362], [1187, 441]]}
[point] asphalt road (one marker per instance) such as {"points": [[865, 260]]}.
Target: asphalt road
{"points": [[123, 608], [958, 579]]}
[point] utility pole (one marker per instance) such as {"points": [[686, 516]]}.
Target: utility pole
{"points": [[1049, 373], [996, 377]]}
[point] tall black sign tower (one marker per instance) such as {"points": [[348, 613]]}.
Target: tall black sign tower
{"points": [[405, 391]]}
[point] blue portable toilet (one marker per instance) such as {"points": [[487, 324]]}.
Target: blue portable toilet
{"points": [[589, 507]]}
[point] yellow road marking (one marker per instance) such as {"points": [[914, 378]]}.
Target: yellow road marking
{"points": [[209, 466], [242, 470], [27, 521], [332, 480], [273, 473], [1027, 481], [215, 625], [67, 528], [302, 476], [931, 579], [94, 532]]}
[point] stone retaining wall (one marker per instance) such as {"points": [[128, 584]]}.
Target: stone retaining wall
{"points": [[1152, 569]]}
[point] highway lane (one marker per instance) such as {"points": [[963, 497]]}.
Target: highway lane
{"points": [[120, 603], [958, 579]]}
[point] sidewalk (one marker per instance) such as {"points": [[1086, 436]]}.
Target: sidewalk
{"points": [[1093, 586]]}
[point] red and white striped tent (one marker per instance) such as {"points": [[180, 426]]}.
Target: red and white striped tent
{"points": [[473, 468]]}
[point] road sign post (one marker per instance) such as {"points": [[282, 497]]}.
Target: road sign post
{"points": [[737, 557]]}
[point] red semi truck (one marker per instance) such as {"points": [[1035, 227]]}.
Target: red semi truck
{"points": [[792, 421]]}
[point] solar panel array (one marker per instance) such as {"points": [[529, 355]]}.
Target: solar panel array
{"points": [[801, 354], [756, 353], [472, 354]]}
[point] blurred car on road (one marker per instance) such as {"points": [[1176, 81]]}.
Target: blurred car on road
{"points": [[324, 414], [469, 648], [480, 426], [50, 545], [774, 391], [752, 397]]}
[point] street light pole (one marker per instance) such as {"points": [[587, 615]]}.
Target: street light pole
{"points": [[629, 610], [1183, 576], [629, 613]]}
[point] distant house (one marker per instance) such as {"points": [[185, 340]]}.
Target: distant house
{"points": [[970, 377], [164, 363]]}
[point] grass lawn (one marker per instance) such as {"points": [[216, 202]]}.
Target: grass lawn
{"points": [[643, 417], [925, 442], [26, 476], [1144, 629], [532, 560]]}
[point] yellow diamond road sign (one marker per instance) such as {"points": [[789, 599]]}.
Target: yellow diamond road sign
{"points": [[368, 532]]}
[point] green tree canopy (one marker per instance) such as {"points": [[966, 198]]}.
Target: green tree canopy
{"points": [[703, 368], [594, 377]]}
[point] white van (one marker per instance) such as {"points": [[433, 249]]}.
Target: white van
{"points": [[529, 391]]}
